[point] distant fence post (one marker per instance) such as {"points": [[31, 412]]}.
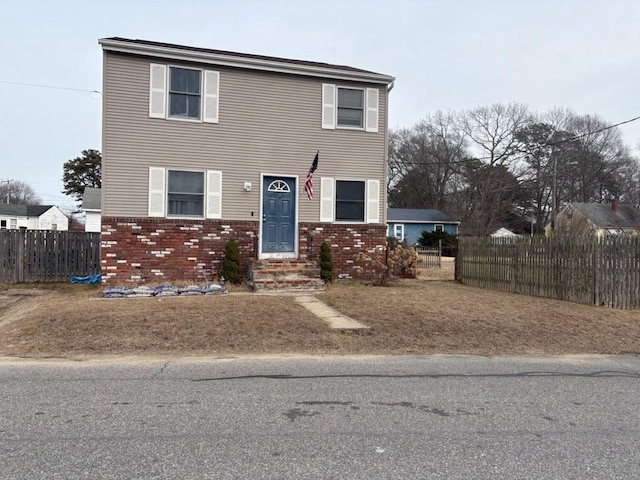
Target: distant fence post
{"points": [[21, 240]]}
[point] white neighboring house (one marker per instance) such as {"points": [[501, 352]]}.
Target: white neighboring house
{"points": [[502, 233], [32, 217], [91, 201]]}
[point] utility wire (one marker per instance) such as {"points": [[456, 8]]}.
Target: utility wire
{"points": [[552, 144], [50, 86], [577, 137]]}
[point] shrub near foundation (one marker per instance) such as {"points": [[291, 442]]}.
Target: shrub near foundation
{"points": [[326, 263], [230, 270], [403, 262]]}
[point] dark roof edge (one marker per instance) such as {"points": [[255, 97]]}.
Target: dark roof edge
{"points": [[242, 60]]}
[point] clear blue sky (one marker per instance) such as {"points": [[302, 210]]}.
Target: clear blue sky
{"points": [[445, 54]]}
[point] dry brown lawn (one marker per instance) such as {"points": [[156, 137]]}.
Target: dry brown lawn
{"points": [[425, 316]]}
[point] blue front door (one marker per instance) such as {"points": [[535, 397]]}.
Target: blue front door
{"points": [[278, 214]]}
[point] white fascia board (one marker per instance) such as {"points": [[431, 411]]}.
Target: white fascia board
{"points": [[242, 62]]}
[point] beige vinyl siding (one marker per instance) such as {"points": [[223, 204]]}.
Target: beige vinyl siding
{"points": [[268, 123]]}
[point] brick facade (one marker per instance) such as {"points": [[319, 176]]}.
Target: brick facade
{"points": [[150, 250], [345, 240]]}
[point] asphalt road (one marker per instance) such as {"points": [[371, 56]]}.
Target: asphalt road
{"points": [[437, 417]]}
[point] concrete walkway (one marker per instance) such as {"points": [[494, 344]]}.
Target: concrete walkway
{"points": [[334, 318]]}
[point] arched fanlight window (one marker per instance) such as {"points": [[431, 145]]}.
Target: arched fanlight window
{"points": [[278, 186]]}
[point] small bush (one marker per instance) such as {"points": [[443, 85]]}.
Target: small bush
{"points": [[326, 263], [403, 262], [230, 270], [371, 268]]}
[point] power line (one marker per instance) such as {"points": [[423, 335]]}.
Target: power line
{"points": [[50, 86], [577, 137]]}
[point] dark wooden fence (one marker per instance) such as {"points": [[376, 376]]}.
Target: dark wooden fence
{"points": [[600, 272], [47, 256]]}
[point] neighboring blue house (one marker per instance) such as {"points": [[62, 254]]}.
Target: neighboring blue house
{"points": [[409, 223]]}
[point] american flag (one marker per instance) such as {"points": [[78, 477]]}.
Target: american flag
{"points": [[308, 184]]}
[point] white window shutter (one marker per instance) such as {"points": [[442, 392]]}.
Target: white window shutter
{"points": [[156, 191], [157, 90], [373, 201], [211, 96], [329, 106], [372, 109], [326, 199], [214, 194]]}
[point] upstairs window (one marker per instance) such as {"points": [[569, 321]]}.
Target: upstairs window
{"points": [[350, 107], [184, 93], [179, 93]]}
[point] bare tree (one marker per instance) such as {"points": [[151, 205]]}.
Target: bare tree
{"points": [[504, 166], [488, 200], [592, 159], [544, 149], [422, 162], [594, 174], [491, 131], [16, 192], [630, 181]]}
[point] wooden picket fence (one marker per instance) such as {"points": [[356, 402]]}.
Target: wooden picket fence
{"points": [[600, 272], [429, 256], [47, 256]]}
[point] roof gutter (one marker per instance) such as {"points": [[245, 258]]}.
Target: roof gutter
{"points": [[243, 62]]}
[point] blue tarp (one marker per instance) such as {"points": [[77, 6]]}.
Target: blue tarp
{"points": [[97, 278]]}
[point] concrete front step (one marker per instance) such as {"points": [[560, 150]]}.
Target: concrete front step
{"points": [[284, 275]]}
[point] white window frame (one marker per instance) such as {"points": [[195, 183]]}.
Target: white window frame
{"points": [[13, 223], [370, 108], [159, 94], [3, 224], [200, 94], [364, 200], [159, 193], [398, 231], [363, 109], [204, 192], [438, 227], [328, 200]]}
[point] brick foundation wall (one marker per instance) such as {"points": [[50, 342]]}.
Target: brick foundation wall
{"points": [[149, 250], [345, 240]]}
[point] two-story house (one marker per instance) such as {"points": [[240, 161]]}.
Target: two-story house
{"points": [[201, 145]]}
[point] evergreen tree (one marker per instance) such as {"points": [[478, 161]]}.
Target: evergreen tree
{"points": [[326, 263], [230, 270], [81, 172]]}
